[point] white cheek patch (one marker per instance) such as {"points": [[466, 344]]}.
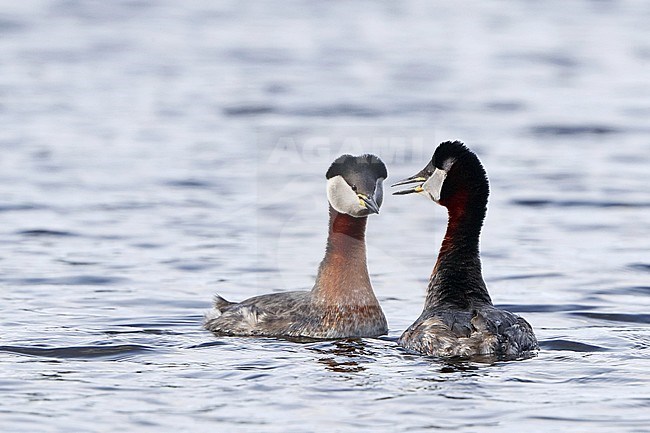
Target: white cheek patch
{"points": [[433, 185], [342, 198], [379, 191]]}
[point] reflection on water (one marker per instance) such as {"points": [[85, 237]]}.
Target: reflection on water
{"points": [[343, 356], [152, 155]]}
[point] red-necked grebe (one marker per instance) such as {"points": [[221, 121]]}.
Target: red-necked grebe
{"points": [[342, 303], [459, 318]]}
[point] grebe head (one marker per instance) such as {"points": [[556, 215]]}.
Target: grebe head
{"points": [[453, 168], [355, 184]]}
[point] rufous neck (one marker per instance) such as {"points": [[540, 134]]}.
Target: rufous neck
{"points": [[343, 273]]}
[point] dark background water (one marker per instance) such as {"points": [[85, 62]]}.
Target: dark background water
{"points": [[154, 153]]}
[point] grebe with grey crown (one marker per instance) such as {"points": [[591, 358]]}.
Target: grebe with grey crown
{"points": [[341, 303], [459, 319]]}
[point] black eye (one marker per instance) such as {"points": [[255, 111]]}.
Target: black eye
{"points": [[429, 172], [354, 188]]}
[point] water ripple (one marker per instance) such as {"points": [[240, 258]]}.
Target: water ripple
{"points": [[75, 280], [334, 110], [631, 290], [578, 203], [189, 183], [116, 352], [337, 110], [616, 317], [563, 130], [11, 26], [640, 266], [544, 308], [47, 233], [528, 276], [20, 207], [571, 346], [248, 110]]}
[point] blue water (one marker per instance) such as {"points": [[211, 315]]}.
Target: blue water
{"points": [[155, 153]]}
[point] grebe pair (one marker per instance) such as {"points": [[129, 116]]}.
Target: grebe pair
{"points": [[458, 320]]}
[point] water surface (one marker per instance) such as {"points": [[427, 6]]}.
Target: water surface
{"points": [[153, 154]]}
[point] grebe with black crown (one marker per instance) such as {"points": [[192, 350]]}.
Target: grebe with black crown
{"points": [[459, 319], [341, 303]]}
